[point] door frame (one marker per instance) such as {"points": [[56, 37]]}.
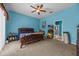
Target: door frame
{"points": [[61, 28]]}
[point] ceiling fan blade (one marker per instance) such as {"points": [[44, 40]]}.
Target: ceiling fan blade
{"points": [[38, 13], [32, 7], [43, 10], [33, 11], [41, 6], [50, 11]]}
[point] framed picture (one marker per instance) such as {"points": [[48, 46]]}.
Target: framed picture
{"points": [[43, 24]]}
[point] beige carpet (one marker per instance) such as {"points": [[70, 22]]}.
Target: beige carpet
{"points": [[41, 48]]}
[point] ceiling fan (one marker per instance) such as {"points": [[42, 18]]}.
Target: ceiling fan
{"points": [[38, 9]]}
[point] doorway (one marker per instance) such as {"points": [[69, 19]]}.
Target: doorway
{"points": [[58, 30]]}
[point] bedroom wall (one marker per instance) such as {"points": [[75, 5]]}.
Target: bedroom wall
{"points": [[49, 21], [18, 20], [70, 17]]}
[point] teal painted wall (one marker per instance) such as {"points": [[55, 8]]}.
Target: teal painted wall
{"points": [[17, 21], [70, 17], [49, 21]]}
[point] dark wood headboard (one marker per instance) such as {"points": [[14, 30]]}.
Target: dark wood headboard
{"points": [[25, 30]]}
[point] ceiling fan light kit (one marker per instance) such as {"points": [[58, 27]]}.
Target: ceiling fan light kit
{"points": [[38, 9]]}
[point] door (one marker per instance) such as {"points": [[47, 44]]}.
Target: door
{"points": [[78, 41]]}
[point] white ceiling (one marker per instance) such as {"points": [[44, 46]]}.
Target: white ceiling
{"points": [[24, 8]]}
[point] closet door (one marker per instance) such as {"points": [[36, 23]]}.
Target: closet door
{"points": [[2, 29]]}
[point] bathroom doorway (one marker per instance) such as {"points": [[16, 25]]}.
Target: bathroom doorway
{"points": [[58, 29]]}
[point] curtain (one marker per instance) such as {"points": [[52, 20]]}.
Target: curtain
{"points": [[5, 11]]}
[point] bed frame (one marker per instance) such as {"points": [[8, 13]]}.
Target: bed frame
{"points": [[30, 38]]}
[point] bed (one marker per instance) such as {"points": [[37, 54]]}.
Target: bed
{"points": [[27, 35]]}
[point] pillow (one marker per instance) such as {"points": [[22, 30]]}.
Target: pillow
{"points": [[24, 34]]}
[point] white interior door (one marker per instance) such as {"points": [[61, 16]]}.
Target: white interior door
{"points": [[2, 29]]}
